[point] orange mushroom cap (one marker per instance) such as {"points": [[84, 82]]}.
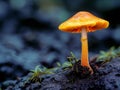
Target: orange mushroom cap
{"points": [[83, 19]]}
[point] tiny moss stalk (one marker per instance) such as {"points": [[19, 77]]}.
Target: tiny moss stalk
{"points": [[107, 56], [38, 72]]}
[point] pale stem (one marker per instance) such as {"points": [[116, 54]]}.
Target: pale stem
{"points": [[84, 56]]}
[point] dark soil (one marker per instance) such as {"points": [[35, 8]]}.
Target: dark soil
{"points": [[106, 77]]}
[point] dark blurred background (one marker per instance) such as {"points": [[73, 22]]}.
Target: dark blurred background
{"points": [[29, 34]]}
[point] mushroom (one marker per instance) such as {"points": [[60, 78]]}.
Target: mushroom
{"points": [[84, 22]]}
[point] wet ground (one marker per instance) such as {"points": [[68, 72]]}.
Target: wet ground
{"points": [[105, 77]]}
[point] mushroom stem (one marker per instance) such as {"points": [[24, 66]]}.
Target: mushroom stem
{"points": [[84, 57]]}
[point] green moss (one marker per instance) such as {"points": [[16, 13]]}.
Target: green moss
{"points": [[107, 56], [118, 51], [71, 60], [38, 72]]}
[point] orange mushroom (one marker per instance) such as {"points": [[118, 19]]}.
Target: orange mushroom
{"points": [[84, 22]]}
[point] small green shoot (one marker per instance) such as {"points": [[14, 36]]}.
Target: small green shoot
{"points": [[105, 57], [118, 52], [38, 72], [68, 64], [72, 59]]}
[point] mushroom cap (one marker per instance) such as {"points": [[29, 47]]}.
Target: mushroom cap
{"points": [[83, 19]]}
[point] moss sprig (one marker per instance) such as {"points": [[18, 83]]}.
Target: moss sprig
{"points": [[107, 56], [38, 72], [118, 51], [71, 60]]}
